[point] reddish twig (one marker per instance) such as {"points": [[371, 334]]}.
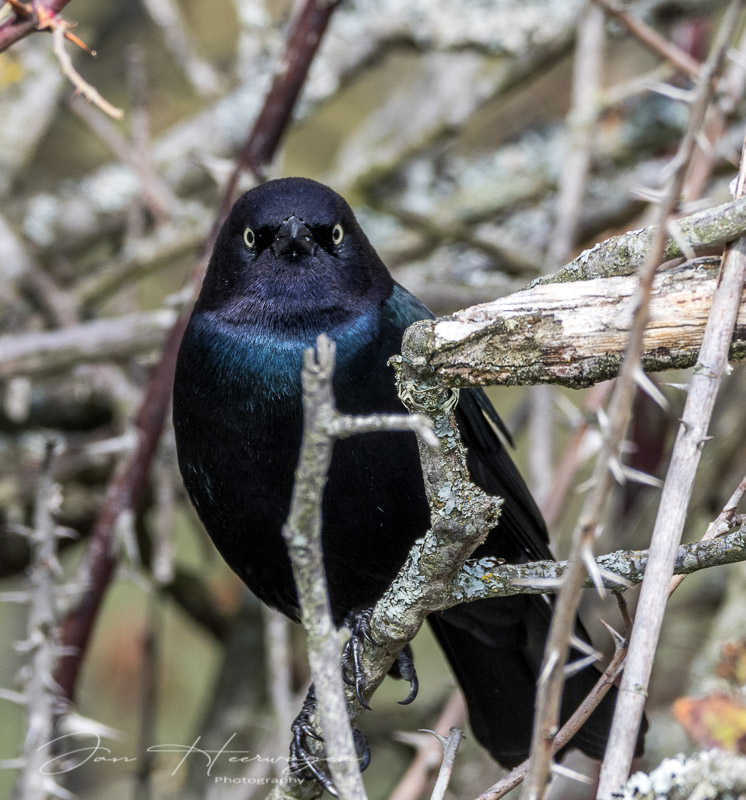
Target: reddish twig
{"points": [[130, 481], [30, 17]]}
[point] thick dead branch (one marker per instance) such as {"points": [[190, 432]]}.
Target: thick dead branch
{"points": [[573, 334]]}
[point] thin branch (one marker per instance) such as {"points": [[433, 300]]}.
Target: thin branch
{"points": [[564, 474], [450, 748], [732, 86], [717, 527], [605, 681], [156, 191], [429, 755], [302, 534], [625, 254], [81, 85], [40, 691], [619, 571], [278, 668], [652, 40], [166, 14]]}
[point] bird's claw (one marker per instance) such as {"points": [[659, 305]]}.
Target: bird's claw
{"points": [[352, 656], [303, 762], [352, 659], [403, 668]]}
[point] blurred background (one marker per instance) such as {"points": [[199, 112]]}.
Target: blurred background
{"points": [[447, 124]]}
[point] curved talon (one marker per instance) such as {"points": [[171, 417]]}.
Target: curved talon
{"points": [[353, 653], [414, 687], [303, 762], [362, 748], [404, 668], [359, 624]]}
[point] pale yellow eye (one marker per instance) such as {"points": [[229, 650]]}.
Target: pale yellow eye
{"points": [[249, 238], [338, 233]]}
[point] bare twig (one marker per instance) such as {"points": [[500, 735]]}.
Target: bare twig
{"points": [[302, 534], [732, 86], [430, 754], [81, 85], [708, 373], [651, 39], [625, 254], [278, 660], [618, 571], [24, 22], [450, 745], [157, 193], [717, 527], [569, 463]]}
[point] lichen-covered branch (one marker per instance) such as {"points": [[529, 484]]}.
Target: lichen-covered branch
{"points": [[573, 334], [714, 773], [619, 570], [625, 254]]}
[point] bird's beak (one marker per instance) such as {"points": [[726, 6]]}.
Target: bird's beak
{"points": [[293, 238]]}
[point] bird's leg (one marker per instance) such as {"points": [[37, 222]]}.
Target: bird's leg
{"points": [[352, 664], [303, 761]]}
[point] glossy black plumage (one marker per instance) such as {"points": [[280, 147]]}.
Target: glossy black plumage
{"points": [[268, 293]]}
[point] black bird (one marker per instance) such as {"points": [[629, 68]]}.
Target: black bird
{"points": [[291, 262]]}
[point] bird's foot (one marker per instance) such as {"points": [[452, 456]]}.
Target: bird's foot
{"points": [[303, 761], [352, 658]]}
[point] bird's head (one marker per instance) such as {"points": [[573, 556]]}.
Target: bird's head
{"points": [[289, 248]]}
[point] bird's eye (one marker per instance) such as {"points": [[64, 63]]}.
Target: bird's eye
{"points": [[249, 238], [338, 233]]}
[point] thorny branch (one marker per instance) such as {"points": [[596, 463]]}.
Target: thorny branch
{"points": [[555, 655], [26, 20], [40, 692], [691, 437]]}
